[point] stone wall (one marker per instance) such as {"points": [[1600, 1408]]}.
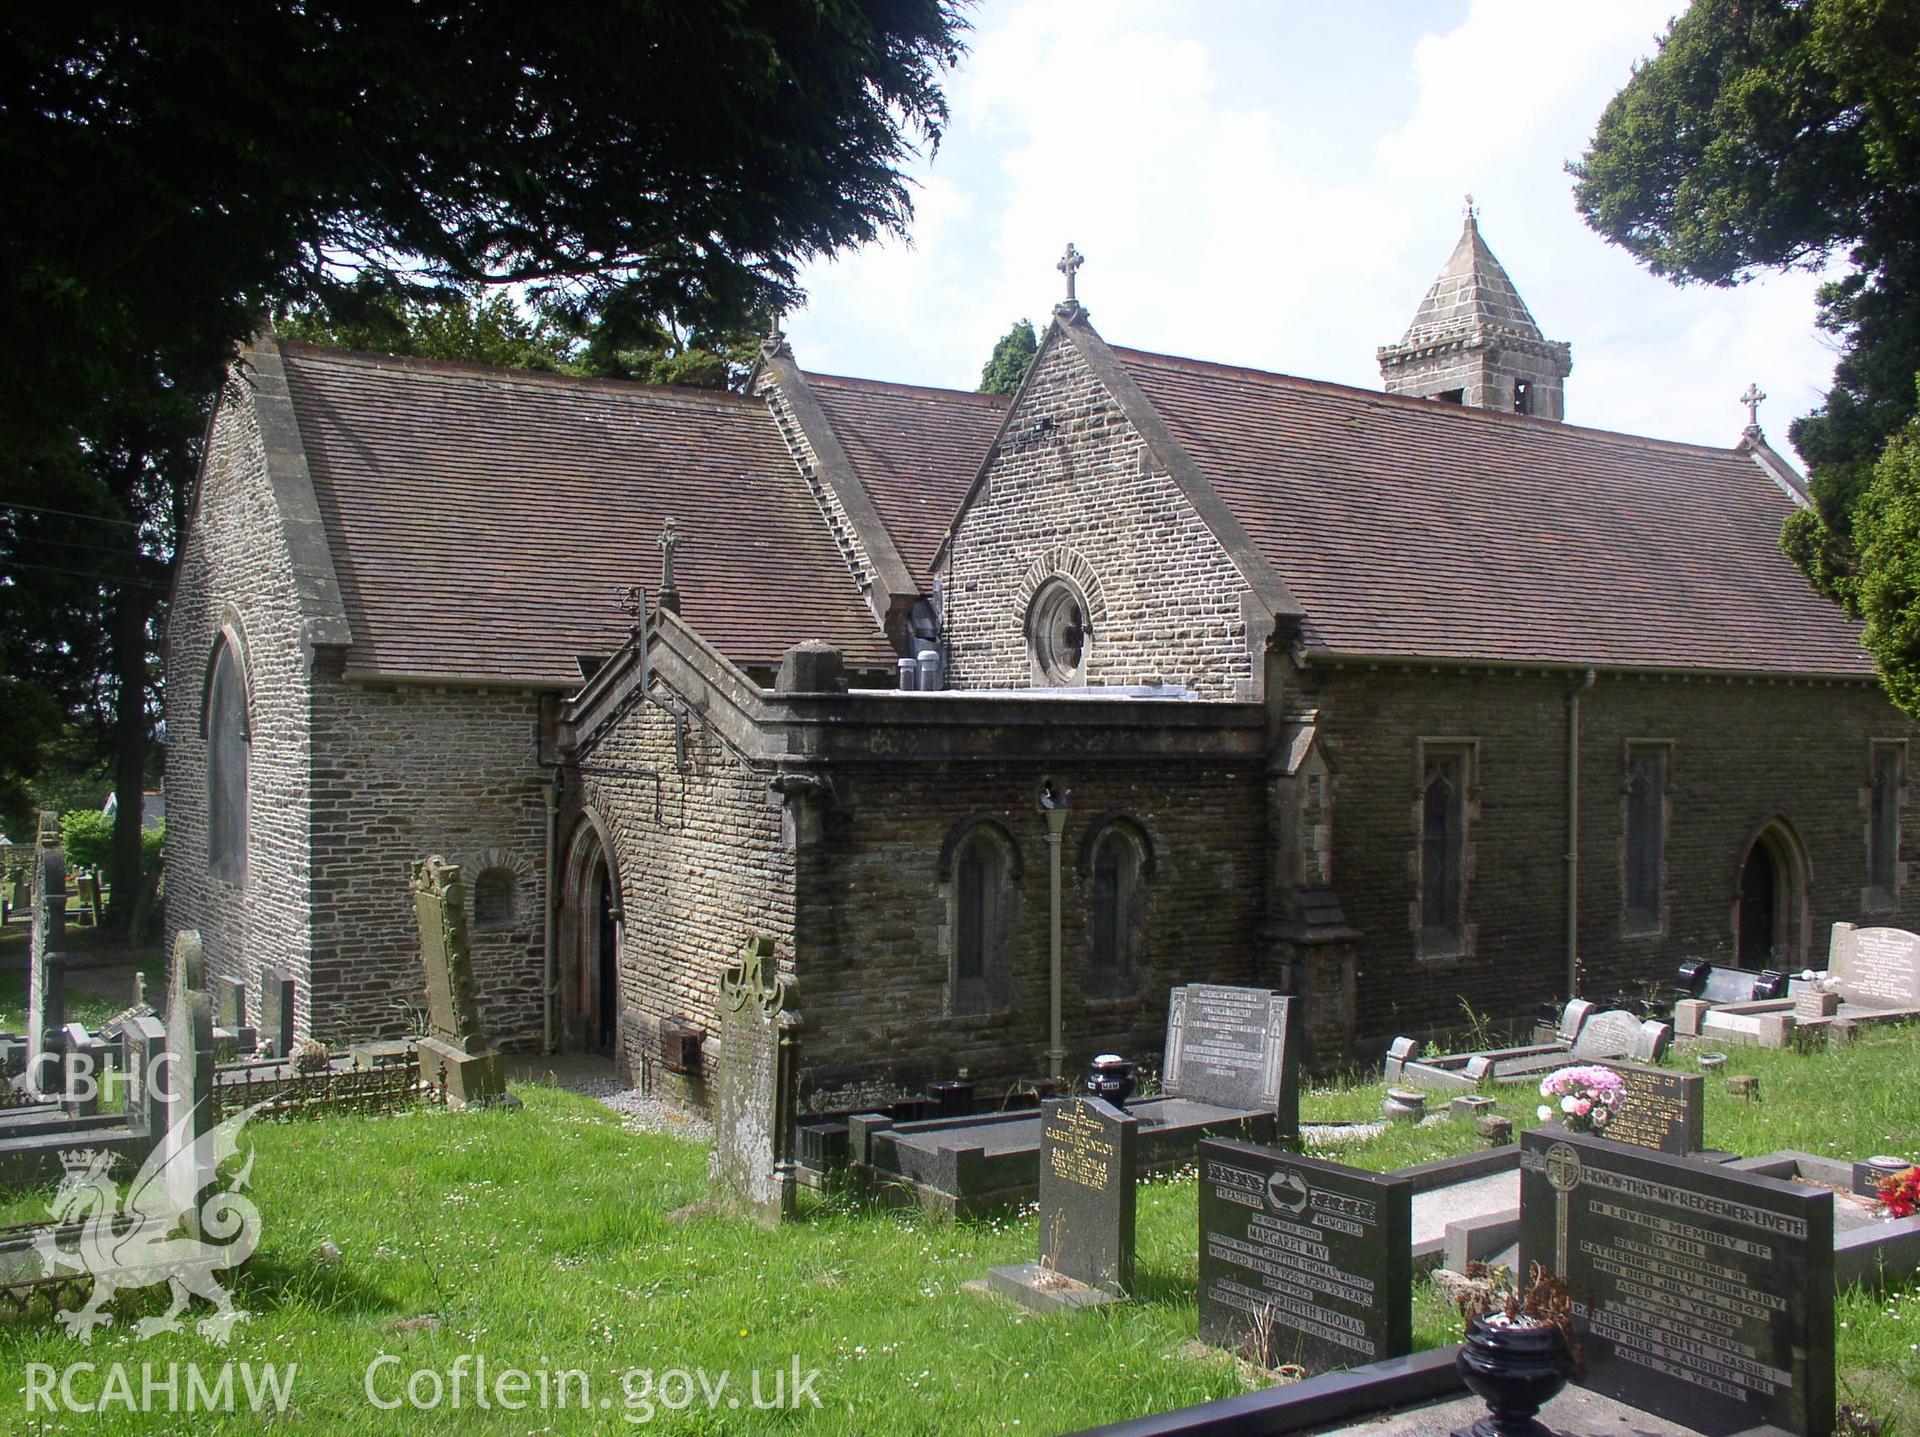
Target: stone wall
{"points": [[236, 570], [1742, 755], [873, 916], [1081, 491], [695, 882], [401, 771]]}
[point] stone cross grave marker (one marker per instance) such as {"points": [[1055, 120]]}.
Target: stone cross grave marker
{"points": [[46, 962], [1662, 1110], [455, 1051], [188, 1092], [752, 1166], [1708, 1292], [1874, 967], [1087, 1198], [1234, 1048], [1303, 1260], [277, 998]]}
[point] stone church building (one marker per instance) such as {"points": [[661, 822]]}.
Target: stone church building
{"points": [[1398, 701]]}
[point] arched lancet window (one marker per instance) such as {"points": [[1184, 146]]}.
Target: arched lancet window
{"points": [[496, 894], [228, 742], [1443, 835], [1116, 865], [983, 870]]}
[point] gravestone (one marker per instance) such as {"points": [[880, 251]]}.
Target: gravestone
{"points": [[1613, 1034], [146, 1103], [1087, 1163], [1874, 967], [1662, 1110], [231, 994], [46, 966], [1234, 1048], [752, 1166], [1303, 1260], [87, 884], [1708, 1293], [186, 1087], [455, 1051], [277, 998], [187, 968]]}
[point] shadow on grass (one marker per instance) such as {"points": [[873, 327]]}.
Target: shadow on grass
{"points": [[1172, 1287], [265, 1284]]}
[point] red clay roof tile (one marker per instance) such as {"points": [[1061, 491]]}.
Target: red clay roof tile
{"points": [[482, 519], [1408, 526], [915, 450]]}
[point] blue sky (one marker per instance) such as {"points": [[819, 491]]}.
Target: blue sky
{"points": [[1276, 184]]}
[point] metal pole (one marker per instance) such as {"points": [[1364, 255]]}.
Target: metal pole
{"points": [[1573, 834], [1056, 1052]]}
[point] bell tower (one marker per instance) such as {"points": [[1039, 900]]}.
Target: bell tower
{"points": [[1473, 341]]}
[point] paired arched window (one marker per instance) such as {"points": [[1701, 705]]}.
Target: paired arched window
{"points": [[224, 721], [496, 896]]}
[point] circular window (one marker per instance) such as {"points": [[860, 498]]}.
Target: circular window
{"points": [[1057, 634]]}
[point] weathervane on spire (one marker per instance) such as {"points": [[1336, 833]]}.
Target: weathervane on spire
{"points": [[1069, 265], [1752, 399], [1472, 208]]}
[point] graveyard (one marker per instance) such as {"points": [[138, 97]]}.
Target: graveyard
{"points": [[456, 1234]]}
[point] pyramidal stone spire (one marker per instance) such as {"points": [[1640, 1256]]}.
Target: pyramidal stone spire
{"points": [[1473, 340]]}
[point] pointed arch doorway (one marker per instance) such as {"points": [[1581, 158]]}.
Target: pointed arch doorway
{"points": [[591, 930], [1770, 907]]}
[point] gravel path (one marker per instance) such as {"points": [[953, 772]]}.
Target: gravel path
{"points": [[651, 1114]]}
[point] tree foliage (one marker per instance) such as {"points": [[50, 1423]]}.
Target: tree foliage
{"points": [[1769, 134], [1011, 356], [468, 325], [1886, 531], [176, 172]]}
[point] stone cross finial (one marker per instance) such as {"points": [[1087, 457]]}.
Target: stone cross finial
{"points": [[1752, 399], [669, 591], [1069, 265]]}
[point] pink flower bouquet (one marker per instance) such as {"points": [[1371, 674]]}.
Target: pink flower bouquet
{"points": [[1584, 1098]]}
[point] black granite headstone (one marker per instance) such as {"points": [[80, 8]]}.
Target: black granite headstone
{"points": [[1660, 1109], [1087, 1192], [1309, 1260], [1708, 1292], [1234, 1047]]}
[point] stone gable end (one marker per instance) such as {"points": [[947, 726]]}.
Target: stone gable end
{"points": [[1072, 489], [236, 573]]}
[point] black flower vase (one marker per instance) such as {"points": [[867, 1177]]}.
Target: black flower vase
{"points": [[1517, 1368], [1112, 1078]]}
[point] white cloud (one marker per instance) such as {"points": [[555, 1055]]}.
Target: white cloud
{"points": [[1244, 200]]}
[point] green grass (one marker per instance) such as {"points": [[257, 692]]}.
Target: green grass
{"points": [[543, 1238]]}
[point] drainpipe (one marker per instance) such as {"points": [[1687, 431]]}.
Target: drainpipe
{"points": [[1055, 808], [549, 959], [1573, 833]]}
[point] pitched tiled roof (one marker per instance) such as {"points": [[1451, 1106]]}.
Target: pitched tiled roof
{"points": [[915, 450], [1406, 526], [481, 519]]}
